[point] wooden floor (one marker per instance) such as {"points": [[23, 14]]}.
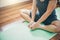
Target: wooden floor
{"points": [[8, 15], [57, 37]]}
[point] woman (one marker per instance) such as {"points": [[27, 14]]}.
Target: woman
{"points": [[46, 15]]}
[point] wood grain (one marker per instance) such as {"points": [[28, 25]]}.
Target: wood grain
{"points": [[12, 12]]}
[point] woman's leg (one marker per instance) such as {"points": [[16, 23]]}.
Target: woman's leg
{"points": [[25, 14], [57, 24], [54, 27]]}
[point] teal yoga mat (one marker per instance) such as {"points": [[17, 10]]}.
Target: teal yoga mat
{"points": [[20, 31]]}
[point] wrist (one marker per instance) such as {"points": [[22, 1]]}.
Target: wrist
{"points": [[38, 22], [32, 19]]}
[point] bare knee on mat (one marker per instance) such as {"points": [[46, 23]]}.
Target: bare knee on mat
{"points": [[57, 24]]}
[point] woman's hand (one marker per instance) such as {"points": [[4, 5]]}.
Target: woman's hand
{"points": [[34, 25], [30, 23]]}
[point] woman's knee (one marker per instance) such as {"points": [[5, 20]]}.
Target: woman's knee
{"points": [[57, 29], [57, 24], [25, 11]]}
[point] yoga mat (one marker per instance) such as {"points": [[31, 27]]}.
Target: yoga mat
{"points": [[20, 31]]}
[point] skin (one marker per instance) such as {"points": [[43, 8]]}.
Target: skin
{"points": [[53, 27]]}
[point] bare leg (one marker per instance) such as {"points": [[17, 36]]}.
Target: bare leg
{"points": [[25, 14], [50, 28], [54, 27]]}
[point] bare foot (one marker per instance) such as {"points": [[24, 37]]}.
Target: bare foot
{"points": [[30, 24], [34, 26]]}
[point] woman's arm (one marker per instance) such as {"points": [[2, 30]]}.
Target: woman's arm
{"points": [[34, 9], [50, 8]]}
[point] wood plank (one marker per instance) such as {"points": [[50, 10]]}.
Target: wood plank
{"points": [[9, 14], [9, 17], [56, 37], [12, 9], [10, 21]]}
